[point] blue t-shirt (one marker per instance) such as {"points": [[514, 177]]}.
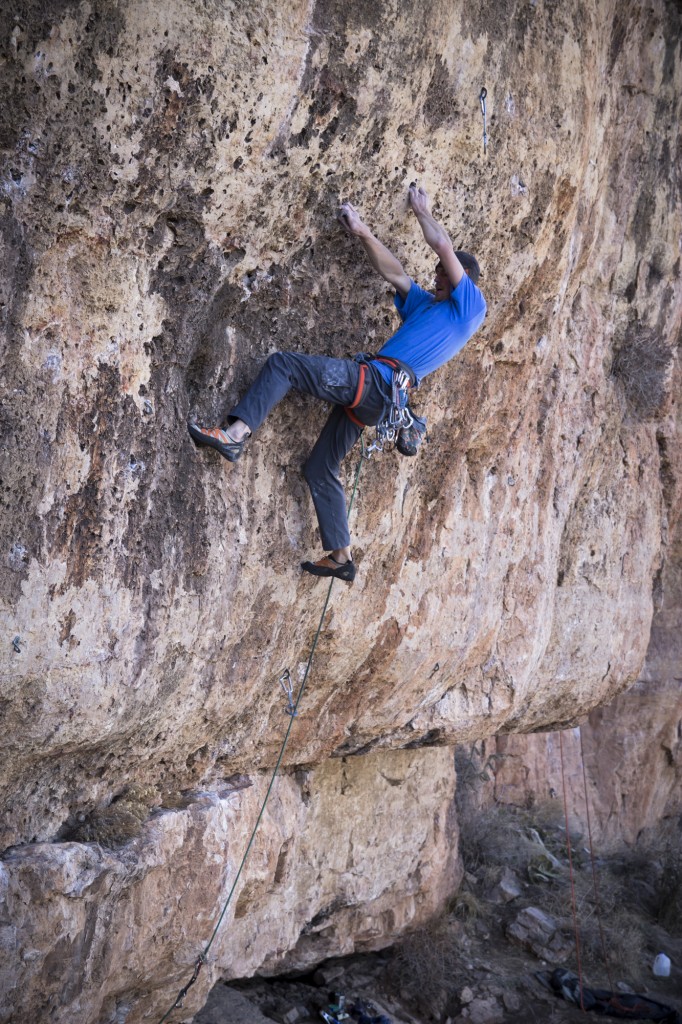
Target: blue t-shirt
{"points": [[433, 332]]}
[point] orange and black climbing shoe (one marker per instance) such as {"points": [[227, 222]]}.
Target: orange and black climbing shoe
{"points": [[328, 566], [218, 439]]}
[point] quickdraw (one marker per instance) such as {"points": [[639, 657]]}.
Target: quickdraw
{"points": [[286, 682], [180, 1001], [481, 99]]}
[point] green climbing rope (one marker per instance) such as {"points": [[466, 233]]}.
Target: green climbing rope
{"points": [[201, 960]]}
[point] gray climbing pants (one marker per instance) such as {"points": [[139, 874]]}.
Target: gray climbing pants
{"points": [[335, 381]]}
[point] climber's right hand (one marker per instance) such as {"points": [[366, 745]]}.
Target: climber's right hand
{"points": [[350, 220]]}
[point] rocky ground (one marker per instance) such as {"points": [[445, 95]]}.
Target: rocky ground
{"points": [[507, 929]]}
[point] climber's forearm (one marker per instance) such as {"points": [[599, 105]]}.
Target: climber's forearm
{"points": [[381, 258], [434, 233], [385, 263]]}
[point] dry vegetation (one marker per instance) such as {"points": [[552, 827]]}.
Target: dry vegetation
{"points": [[641, 365], [636, 910]]}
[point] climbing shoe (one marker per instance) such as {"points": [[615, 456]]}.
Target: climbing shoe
{"points": [[216, 438], [328, 566]]}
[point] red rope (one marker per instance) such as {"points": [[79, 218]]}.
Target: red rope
{"points": [[570, 867], [594, 870]]}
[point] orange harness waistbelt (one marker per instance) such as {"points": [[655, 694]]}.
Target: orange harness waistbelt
{"points": [[361, 387]]}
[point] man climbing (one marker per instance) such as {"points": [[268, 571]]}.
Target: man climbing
{"points": [[436, 326]]}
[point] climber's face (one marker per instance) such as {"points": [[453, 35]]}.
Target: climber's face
{"points": [[442, 286]]}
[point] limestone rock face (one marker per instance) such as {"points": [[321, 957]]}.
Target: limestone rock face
{"points": [[633, 765], [131, 924], [169, 181], [631, 748]]}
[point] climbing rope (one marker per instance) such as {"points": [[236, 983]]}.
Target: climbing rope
{"points": [[614, 999], [597, 900], [570, 869], [292, 709]]}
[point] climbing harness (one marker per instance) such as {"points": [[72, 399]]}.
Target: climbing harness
{"points": [[399, 416], [291, 710], [482, 99], [286, 682]]}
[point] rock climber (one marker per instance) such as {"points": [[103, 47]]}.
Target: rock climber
{"points": [[435, 326]]}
